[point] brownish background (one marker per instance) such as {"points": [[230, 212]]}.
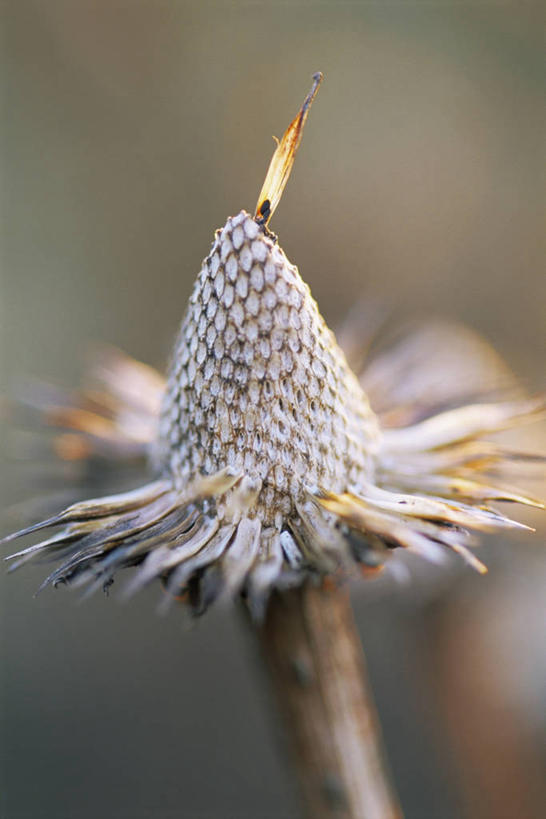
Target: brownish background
{"points": [[130, 131]]}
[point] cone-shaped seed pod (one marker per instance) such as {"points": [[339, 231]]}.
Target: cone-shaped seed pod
{"points": [[270, 464]]}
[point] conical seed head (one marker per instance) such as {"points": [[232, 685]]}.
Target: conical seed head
{"points": [[258, 383]]}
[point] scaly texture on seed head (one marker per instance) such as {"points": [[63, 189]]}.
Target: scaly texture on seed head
{"points": [[258, 383]]}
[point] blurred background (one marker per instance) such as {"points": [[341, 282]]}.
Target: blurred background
{"points": [[131, 130]]}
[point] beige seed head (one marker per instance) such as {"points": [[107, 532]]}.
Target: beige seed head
{"points": [[258, 383]]}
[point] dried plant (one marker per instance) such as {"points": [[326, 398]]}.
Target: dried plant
{"points": [[269, 466]]}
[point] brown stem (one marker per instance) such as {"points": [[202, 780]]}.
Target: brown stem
{"points": [[317, 666]]}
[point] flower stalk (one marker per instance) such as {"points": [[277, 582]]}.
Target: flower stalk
{"points": [[313, 652]]}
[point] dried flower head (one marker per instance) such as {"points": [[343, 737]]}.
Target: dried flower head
{"points": [[270, 465]]}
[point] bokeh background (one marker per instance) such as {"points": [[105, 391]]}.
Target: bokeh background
{"points": [[130, 130]]}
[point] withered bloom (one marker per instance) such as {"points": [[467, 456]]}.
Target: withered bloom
{"points": [[269, 464]]}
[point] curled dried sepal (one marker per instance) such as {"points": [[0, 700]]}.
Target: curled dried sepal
{"points": [[283, 159]]}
